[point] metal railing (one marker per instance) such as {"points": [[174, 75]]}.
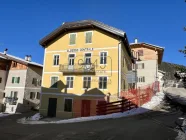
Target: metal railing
{"points": [[11, 100], [65, 68]]}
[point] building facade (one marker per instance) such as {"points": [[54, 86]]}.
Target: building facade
{"points": [[21, 91], [85, 62], [148, 57]]}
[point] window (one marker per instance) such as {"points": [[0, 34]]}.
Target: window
{"points": [[39, 82], [3, 95], [54, 81], [38, 96], [32, 95], [86, 82], [103, 58], [102, 82], [72, 38], [34, 81], [70, 82], [88, 58], [16, 80], [140, 66], [88, 38], [56, 60], [0, 79], [68, 105], [124, 84], [13, 94], [71, 59], [140, 52], [123, 61], [141, 79], [14, 64]]}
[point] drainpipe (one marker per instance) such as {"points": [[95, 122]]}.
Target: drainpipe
{"points": [[119, 69]]}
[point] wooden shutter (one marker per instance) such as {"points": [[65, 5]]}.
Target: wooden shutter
{"points": [[72, 39], [13, 79], [18, 80], [88, 37]]}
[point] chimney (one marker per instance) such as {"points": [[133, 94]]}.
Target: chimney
{"points": [[26, 57], [135, 40], [29, 58], [5, 51]]}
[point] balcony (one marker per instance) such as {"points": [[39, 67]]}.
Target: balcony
{"points": [[77, 68], [11, 100]]}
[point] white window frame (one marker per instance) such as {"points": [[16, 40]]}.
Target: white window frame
{"points": [[90, 80], [85, 36], [87, 57], [66, 81], [51, 81], [54, 58], [74, 58], [107, 82], [140, 79], [75, 39], [100, 57], [64, 103]]}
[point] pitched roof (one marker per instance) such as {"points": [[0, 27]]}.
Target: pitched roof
{"points": [[158, 48], [80, 24], [20, 60]]}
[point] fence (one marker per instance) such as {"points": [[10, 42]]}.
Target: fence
{"points": [[130, 99]]}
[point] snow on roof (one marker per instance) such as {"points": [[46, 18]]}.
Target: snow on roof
{"points": [[147, 44], [11, 57]]}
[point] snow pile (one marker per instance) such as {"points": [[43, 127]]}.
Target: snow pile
{"points": [[35, 117], [4, 114], [144, 108], [182, 133]]}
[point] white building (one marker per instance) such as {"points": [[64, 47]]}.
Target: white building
{"points": [[148, 57]]}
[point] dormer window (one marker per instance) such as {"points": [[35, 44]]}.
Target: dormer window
{"points": [[72, 39]]}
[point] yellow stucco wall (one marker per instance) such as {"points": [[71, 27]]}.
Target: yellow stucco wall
{"points": [[101, 41]]}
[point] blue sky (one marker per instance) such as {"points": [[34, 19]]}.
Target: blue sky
{"points": [[160, 22]]}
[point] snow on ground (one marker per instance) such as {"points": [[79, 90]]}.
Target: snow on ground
{"points": [[176, 94], [5, 114], [156, 100], [182, 133]]}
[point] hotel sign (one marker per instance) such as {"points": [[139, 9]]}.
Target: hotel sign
{"points": [[80, 50]]}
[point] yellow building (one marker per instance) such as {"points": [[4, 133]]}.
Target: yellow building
{"points": [[85, 62]]}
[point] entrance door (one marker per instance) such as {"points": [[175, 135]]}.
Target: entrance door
{"points": [[52, 103], [85, 108]]}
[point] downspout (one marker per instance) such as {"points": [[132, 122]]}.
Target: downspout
{"points": [[119, 68]]}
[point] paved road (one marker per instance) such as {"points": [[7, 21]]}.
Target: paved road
{"points": [[151, 126]]}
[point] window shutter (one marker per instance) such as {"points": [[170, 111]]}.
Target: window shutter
{"points": [[13, 79], [143, 79], [72, 39], [143, 65], [88, 37], [18, 79]]}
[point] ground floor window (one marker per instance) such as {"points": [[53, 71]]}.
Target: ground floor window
{"points": [[86, 82], [69, 82], [102, 82], [68, 105], [32, 95], [141, 79], [38, 96]]}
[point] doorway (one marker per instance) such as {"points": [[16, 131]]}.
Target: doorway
{"points": [[52, 104], [85, 108]]}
